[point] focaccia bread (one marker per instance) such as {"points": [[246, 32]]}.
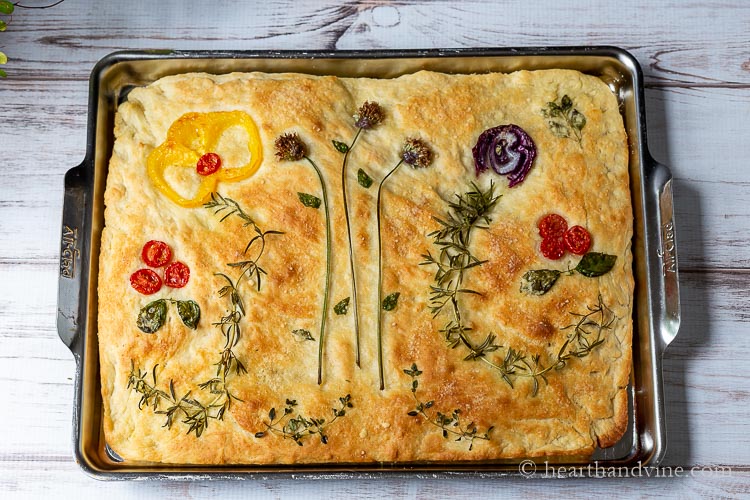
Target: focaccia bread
{"points": [[520, 365]]}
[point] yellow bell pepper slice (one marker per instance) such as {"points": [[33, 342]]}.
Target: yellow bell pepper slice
{"points": [[190, 137]]}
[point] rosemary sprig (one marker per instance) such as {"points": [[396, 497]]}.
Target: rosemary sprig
{"points": [[417, 154], [290, 147], [195, 414], [471, 211], [368, 116], [299, 427], [230, 323], [449, 423]]}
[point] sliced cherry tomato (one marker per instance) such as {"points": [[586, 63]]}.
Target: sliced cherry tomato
{"points": [[208, 164], [176, 275], [552, 226], [145, 281], [577, 240], [156, 253], [553, 248]]}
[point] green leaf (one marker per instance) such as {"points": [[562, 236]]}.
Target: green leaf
{"points": [[558, 129], [391, 301], [340, 146], [342, 307], [595, 264], [152, 316], [3, 58], [538, 281], [3, 74], [3, 25], [577, 119], [413, 371], [566, 102], [364, 180], [6, 7], [190, 313], [303, 334], [309, 200]]}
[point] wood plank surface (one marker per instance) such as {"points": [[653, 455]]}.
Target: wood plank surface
{"points": [[696, 61]]}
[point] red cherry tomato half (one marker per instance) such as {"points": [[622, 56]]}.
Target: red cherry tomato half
{"points": [[553, 248], [145, 281], [176, 275], [577, 240], [552, 226], [208, 164], [156, 253]]}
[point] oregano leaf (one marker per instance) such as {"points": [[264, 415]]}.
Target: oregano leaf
{"points": [[342, 307], [303, 334], [391, 301], [340, 146], [363, 179]]}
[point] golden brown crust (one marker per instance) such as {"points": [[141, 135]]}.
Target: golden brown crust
{"points": [[582, 406]]}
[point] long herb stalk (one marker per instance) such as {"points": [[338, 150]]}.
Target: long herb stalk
{"points": [[368, 116], [289, 147], [418, 155]]}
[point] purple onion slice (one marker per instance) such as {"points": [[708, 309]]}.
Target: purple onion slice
{"points": [[508, 150]]}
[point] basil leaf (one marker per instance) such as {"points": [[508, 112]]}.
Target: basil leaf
{"points": [[364, 180], [152, 316], [595, 264], [6, 7], [309, 200], [303, 334], [340, 146], [538, 281], [391, 301], [190, 313], [342, 307]]}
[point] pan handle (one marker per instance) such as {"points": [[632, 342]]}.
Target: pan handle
{"points": [[73, 244], [667, 254]]}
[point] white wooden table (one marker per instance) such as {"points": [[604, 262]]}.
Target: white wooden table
{"points": [[696, 59]]}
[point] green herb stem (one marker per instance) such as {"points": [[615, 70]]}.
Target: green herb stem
{"points": [[381, 376], [326, 293], [355, 303]]}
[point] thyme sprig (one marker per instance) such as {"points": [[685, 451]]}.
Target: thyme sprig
{"points": [[450, 423], [300, 427], [469, 212], [417, 154], [368, 116], [194, 414], [289, 147]]}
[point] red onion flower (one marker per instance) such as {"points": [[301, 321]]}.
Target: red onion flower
{"points": [[508, 150]]}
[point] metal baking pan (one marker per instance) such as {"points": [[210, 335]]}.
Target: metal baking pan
{"points": [[657, 307]]}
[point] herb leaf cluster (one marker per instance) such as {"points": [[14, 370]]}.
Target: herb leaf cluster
{"points": [[301, 427], [190, 411], [450, 423], [563, 119]]}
